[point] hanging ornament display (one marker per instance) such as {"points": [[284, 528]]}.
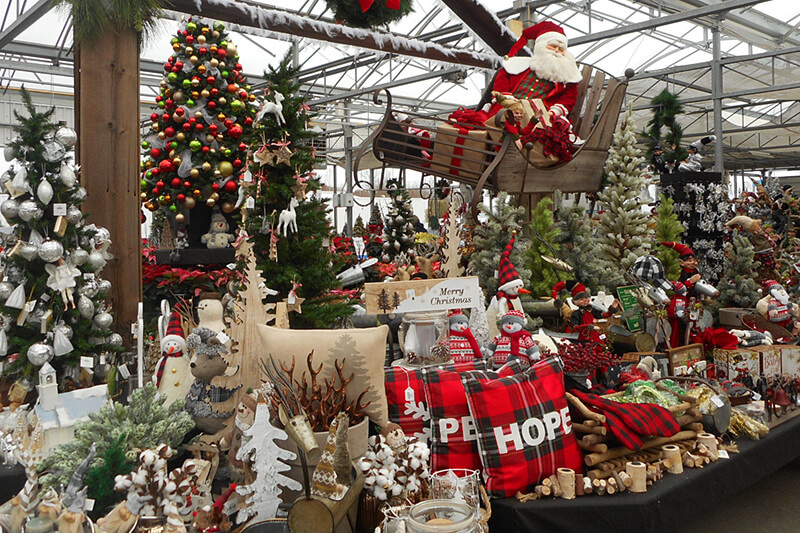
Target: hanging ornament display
{"points": [[62, 329], [51, 251], [85, 307], [40, 353], [284, 155], [66, 136], [103, 287], [9, 152], [53, 151], [9, 209], [67, 174], [115, 339], [103, 320], [79, 256], [29, 252], [74, 215], [44, 191], [29, 210]]}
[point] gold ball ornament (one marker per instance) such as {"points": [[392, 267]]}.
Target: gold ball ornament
{"points": [[155, 127], [226, 168], [252, 97], [180, 136], [201, 69], [227, 207], [171, 154], [189, 51], [220, 137], [215, 34], [178, 118], [204, 93], [177, 161], [217, 174], [162, 135], [210, 138], [206, 166], [196, 193], [214, 196], [210, 202], [194, 173], [143, 196], [168, 92], [212, 151], [180, 218], [231, 50], [196, 94], [198, 114], [152, 206], [167, 199], [178, 96], [222, 100], [214, 62], [195, 83], [193, 60], [221, 117], [205, 30], [189, 203], [176, 47], [201, 39], [163, 84]]}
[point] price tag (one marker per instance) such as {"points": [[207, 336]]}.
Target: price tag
{"points": [[409, 394], [717, 400], [87, 361], [59, 210], [496, 275], [102, 359], [756, 396], [88, 505], [134, 329], [88, 275], [250, 203], [723, 454], [223, 338], [123, 371]]}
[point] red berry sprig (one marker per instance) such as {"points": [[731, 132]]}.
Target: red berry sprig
{"points": [[586, 356]]}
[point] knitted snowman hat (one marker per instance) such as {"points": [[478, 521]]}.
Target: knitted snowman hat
{"points": [[514, 316], [509, 279], [456, 315], [174, 332]]}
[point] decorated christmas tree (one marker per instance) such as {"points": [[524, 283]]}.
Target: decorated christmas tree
{"points": [[576, 246], [543, 233], [359, 229], [53, 298], [398, 234], [623, 229], [668, 229], [738, 287], [288, 225], [491, 238], [197, 150]]}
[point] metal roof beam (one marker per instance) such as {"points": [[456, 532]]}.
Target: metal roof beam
{"points": [[24, 21]]}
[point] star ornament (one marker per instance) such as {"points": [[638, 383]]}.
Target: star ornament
{"points": [[264, 156], [284, 155]]}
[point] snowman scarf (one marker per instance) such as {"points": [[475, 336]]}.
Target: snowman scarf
{"points": [[467, 334]]}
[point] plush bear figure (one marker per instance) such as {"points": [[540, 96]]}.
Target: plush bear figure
{"points": [[207, 363], [513, 342], [218, 236]]}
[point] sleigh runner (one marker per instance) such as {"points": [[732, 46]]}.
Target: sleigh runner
{"points": [[486, 156]]}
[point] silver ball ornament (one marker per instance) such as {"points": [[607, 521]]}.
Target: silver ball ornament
{"points": [[63, 329], [96, 261], [79, 257], [115, 339], [103, 287], [88, 289], [53, 151], [9, 209], [40, 353], [9, 152], [74, 215], [29, 252], [103, 320], [66, 136], [51, 251], [85, 307], [30, 210], [5, 290]]}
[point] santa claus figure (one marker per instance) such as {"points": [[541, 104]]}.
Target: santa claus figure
{"points": [[173, 375], [551, 75], [776, 307], [510, 288], [463, 346], [513, 342]]}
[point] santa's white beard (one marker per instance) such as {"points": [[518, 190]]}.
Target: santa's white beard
{"points": [[551, 66]]}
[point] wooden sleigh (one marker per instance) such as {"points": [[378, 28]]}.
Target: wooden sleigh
{"points": [[487, 157]]}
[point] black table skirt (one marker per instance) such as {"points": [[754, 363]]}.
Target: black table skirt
{"points": [[670, 503]]}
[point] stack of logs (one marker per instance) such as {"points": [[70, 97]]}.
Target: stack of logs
{"points": [[613, 468]]}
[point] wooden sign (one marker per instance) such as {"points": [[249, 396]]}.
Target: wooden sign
{"points": [[423, 295], [631, 310], [684, 357]]}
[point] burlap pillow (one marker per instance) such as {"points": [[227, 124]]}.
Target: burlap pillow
{"points": [[363, 350]]}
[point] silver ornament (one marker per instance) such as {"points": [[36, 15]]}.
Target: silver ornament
{"points": [[14, 273], [115, 339], [67, 174], [63, 329], [80, 194], [103, 320], [79, 257], [66, 136], [29, 252], [9, 209], [36, 238], [5, 290], [103, 287], [85, 307], [6, 321], [51, 251], [30, 210], [88, 289], [96, 261], [40, 353], [396, 245], [44, 191], [74, 215], [9, 152], [53, 151]]}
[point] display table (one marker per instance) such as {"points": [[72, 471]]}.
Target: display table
{"points": [[668, 504]]}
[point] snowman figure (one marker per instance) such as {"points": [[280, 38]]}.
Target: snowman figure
{"points": [[463, 346], [217, 236], [508, 292], [173, 375], [513, 342]]}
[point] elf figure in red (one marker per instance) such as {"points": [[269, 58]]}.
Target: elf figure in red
{"points": [[677, 312], [463, 346], [551, 74], [582, 320], [689, 273], [513, 342], [510, 288]]}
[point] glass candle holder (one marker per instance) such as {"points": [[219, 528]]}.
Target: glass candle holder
{"points": [[425, 338], [457, 484], [441, 516]]}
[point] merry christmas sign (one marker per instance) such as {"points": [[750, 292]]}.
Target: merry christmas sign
{"points": [[423, 295]]}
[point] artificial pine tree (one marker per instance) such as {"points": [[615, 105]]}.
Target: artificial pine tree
{"points": [[398, 234], [576, 246], [53, 298], [283, 171], [623, 230], [542, 227], [491, 238], [738, 287], [198, 149], [359, 229], [668, 229]]}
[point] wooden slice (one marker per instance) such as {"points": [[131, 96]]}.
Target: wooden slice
{"points": [[310, 516]]}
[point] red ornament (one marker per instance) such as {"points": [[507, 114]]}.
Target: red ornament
{"points": [[215, 187], [237, 163], [167, 67], [211, 80], [248, 121], [169, 103], [228, 123], [175, 70], [231, 186], [181, 198], [212, 129], [154, 117], [179, 111], [158, 98], [231, 88], [235, 131], [187, 184], [179, 65], [185, 33], [212, 104], [203, 51], [154, 172], [165, 166], [222, 53], [192, 120], [169, 132], [242, 147], [214, 91], [165, 117], [155, 153], [238, 66], [187, 126], [243, 95], [205, 149], [190, 39], [176, 182], [160, 185], [198, 127]]}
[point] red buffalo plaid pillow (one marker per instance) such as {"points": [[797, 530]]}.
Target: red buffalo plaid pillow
{"points": [[406, 397], [453, 437], [523, 426]]}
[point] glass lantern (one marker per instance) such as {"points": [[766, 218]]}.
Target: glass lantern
{"points": [[425, 338], [441, 516]]}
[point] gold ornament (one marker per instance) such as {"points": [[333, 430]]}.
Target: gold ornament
{"points": [[143, 196], [221, 117], [178, 118], [220, 137], [210, 202], [152, 206], [215, 196], [215, 35], [201, 39], [204, 93], [206, 166], [178, 97], [195, 83], [180, 136], [193, 60], [168, 92], [196, 193], [231, 50], [176, 47], [196, 94], [180, 218], [227, 207], [189, 203], [154, 126], [284, 155], [189, 50], [222, 100], [194, 173], [214, 62], [177, 161], [209, 138], [162, 135], [226, 168], [201, 69], [172, 154], [217, 174], [198, 114]]}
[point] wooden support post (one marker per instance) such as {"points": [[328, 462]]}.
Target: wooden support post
{"points": [[107, 119]]}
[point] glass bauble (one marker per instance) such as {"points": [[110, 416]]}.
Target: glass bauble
{"points": [[103, 286], [103, 320], [115, 339], [74, 215], [96, 261], [397, 245], [53, 151], [30, 210], [66, 136], [44, 191], [5, 290], [51, 251], [67, 174], [10, 209], [79, 257], [29, 252], [85, 307], [40, 353], [88, 289]]}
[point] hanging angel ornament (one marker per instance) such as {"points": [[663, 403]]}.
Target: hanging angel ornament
{"points": [[62, 279]]}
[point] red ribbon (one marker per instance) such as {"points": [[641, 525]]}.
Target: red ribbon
{"points": [[366, 4]]}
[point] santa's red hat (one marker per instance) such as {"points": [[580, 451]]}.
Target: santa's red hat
{"points": [[579, 291], [514, 316], [768, 285], [544, 30], [682, 249], [174, 332], [567, 285], [508, 274]]}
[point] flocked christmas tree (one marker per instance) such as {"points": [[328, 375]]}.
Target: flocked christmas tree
{"points": [[54, 304], [288, 225], [668, 229], [197, 150], [398, 234], [543, 233], [491, 238], [577, 246], [738, 287], [623, 228]]}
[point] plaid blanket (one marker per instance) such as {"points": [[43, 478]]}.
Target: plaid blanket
{"points": [[555, 139], [630, 423]]}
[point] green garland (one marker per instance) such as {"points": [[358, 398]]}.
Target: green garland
{"points": [[349, 12]]}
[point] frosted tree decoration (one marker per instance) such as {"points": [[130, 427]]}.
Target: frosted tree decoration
{"points": [[259, 447], [623, 232]]}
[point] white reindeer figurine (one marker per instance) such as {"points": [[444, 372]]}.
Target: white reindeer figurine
{"points": [[287, 220], [275, 107]]}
